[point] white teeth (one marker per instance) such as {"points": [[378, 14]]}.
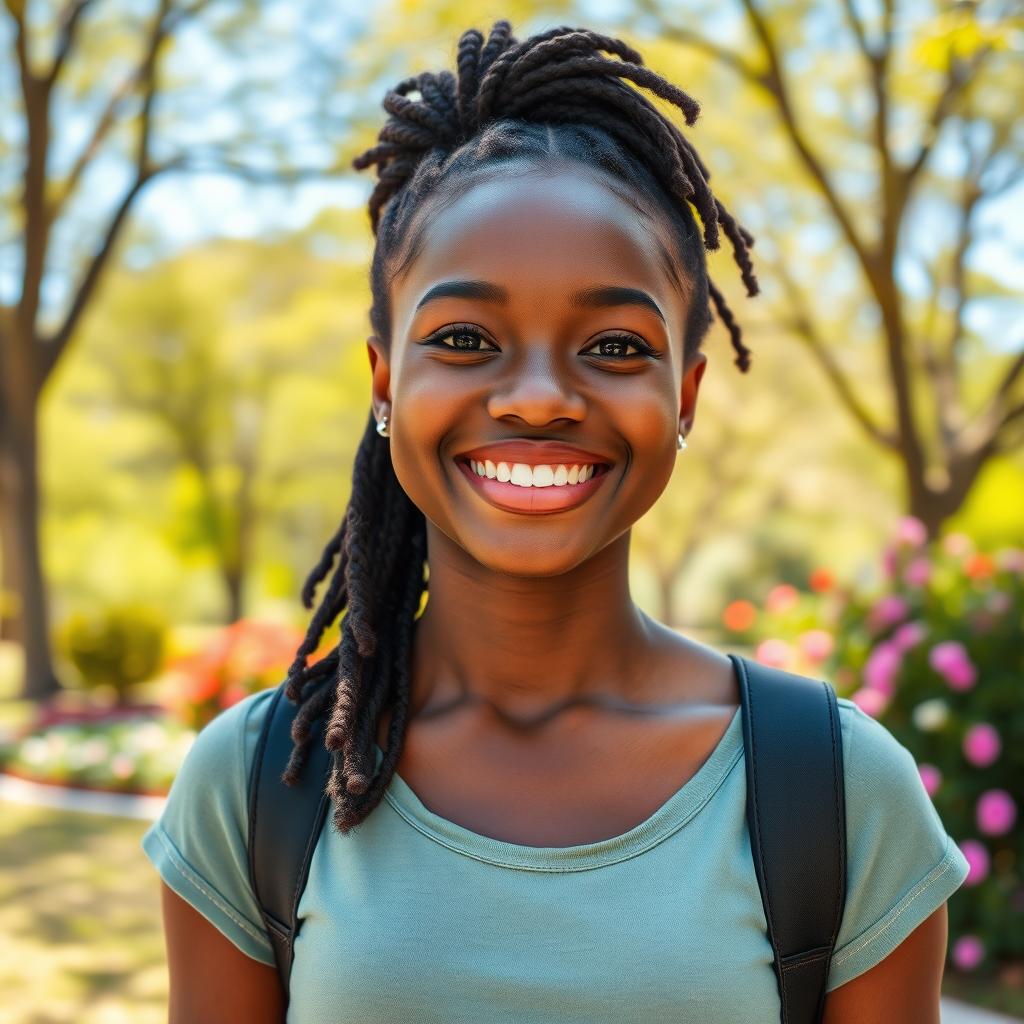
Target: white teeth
{"points": [[523, 475], [543, 476]]}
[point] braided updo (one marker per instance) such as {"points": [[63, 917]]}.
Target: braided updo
{"points": [[553, 97]]}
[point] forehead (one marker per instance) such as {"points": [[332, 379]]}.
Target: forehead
{"points": [[538, 231]]}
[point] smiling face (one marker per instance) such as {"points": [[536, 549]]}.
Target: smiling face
{"points": [[537, 311]]}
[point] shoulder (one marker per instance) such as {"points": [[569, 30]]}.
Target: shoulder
{"points": [[226, 746], [902, 865], [199, 844]]}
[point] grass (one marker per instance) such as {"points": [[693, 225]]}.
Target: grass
{"points": [[80, 916]]}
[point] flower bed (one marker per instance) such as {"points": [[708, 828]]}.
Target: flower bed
{"points": [[936, 654], [139, 754]]}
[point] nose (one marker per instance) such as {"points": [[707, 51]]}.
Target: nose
{"points": [[536, 393]]}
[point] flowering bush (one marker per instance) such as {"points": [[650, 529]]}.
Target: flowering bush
{"points": [[243, 658], [139, 755], [937, 655]]}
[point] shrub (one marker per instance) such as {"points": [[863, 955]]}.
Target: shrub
{"points": [[117, 647], [243, 658], [936, 654]]}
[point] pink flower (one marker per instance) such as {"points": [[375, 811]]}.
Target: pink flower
{"points": [[981, 744], [951, 660], [1011, 559], [776, 653], [919, 572], [911, 532], [871, 702], [886, 612], [781, 598], [931, 777], [122, 767], [968, 952], [976, 855], [882, 668], [890, 561], [995, 812], [957, 544], [817, 644], [909, 635], [998, 601]]}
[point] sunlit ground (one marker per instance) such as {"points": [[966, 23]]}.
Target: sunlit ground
{"points": [[80, 917]]}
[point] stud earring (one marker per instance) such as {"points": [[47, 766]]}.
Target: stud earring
{"points": [[382, 427], [682, 442]]}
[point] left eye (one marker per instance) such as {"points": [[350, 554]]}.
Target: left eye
{"points": [[615, 347]]}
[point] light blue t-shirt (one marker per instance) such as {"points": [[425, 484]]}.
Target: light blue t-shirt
{"points": [[412, 918]]}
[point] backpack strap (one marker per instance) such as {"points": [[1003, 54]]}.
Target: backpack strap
{"points": [[797, 821], [284, 825]]}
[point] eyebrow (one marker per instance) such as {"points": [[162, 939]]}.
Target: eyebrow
{"points": [[600, 297]]}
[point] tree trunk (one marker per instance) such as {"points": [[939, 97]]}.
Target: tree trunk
{"points": [[19, 533]]}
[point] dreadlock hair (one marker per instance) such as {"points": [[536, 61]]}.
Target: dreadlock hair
{"points": [[553, 98]]}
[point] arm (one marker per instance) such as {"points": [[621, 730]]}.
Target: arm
{"points": [[211, 980], [905, 986]]}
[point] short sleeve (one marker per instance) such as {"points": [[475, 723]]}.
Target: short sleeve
{"points": [[199, 843], [901, 863]]}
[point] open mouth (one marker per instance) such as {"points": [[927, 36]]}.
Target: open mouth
{"points": [[522, 474], [533, 489]]}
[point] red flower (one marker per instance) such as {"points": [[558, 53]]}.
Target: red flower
{"points": [[739, 615], [979, 566], [821, 579]]}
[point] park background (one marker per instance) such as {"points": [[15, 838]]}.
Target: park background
{"points": [[183, 383]]}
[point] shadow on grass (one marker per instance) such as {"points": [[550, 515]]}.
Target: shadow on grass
{"points": [[80, 913]]}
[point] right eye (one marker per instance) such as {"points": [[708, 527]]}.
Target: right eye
{"points": [[463, 338]]}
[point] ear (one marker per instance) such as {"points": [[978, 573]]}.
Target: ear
{"points": [[692, 375], [380, 372]]}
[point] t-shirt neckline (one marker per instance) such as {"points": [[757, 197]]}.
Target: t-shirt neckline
{"points": [[672, 815]]}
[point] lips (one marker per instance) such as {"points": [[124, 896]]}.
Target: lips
{"points": [[535, 453]]}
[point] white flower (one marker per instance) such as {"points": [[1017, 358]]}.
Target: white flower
{"points": [[930, 715]]}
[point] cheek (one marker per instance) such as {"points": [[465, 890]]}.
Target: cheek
{"points": [[649, 423], [425, 414]]}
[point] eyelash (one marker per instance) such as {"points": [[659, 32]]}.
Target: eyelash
{"points": [[451, 331]]}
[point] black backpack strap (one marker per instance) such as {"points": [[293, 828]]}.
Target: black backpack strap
{"points": [[797, 820], [284, 825]]}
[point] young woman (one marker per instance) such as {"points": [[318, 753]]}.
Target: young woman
{"points": [[537, 791]]}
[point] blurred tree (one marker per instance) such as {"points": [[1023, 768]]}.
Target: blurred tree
{"points": [[127, 114], [867, 109], [203, 348]]}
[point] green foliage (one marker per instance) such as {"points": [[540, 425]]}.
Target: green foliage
{"points": [[119, 646], [933, 650]]}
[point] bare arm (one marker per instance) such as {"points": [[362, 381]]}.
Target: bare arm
{"points": [[212, 980], [905, 986]]}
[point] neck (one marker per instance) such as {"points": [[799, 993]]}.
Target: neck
{"points": [[523, 644]]}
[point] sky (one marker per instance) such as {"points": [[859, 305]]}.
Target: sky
{"points": [[178, 210]]}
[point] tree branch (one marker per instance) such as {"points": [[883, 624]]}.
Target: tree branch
{"points": [[69, 19], [857, 26], [959, 74], [804, 328], [100, 131], [776, 85], [51, 350], [996, 415]]}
